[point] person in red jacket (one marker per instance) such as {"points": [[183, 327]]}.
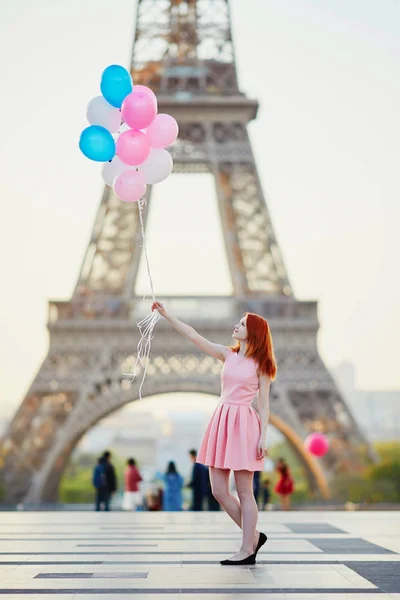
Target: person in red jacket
{"points": [[132, 479]]}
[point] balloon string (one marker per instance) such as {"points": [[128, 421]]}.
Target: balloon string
{"points": [[142, 204], [146, 325]]}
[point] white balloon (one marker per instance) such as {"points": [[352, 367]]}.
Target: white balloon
{"points": [[112, 169], [99, 112], [123, 127], [157, 166]]}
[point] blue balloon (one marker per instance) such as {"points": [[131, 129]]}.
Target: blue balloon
{"points": [[116, 84], [97, 143]]}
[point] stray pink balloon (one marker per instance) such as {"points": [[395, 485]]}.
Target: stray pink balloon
{"points": [[129, 186], [132, 147], [317, 444]]}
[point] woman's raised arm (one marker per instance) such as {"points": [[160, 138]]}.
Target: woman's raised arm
{"points": [[215, 350]]}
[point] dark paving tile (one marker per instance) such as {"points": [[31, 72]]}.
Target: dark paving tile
{"points": [[313, 528], [58, 524], [51, 562], [130, 545], [64, 576], [178, 591], [92, 552], [267, 562], [131, 527], [385, 575], [93, 539], [348, 546], [91, 576]]}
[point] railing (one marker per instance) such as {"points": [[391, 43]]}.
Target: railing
{"points": [[201, 308], [212, 309], [88, 308]]}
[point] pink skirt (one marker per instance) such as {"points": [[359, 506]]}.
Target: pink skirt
{"points": [[231, 437]]}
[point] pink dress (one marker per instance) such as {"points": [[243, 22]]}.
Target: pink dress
{"points": [[231, 437]]}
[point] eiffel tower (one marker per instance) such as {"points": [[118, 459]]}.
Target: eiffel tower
{"points": [[183, 50]]}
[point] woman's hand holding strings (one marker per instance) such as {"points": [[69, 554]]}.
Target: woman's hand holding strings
{"points": [[160, 307]]}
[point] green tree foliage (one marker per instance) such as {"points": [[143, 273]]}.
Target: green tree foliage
{"points": [[76, 483], [378, 483], [2, 491], [388, 451], [387, 472]]}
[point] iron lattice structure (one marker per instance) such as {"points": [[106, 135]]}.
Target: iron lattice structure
{"points": [[183, 50]]}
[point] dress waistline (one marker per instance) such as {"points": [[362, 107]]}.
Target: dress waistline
{"points": [[239, 403]]}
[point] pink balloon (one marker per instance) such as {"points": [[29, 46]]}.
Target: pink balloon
{"points": [[163, 131], [129, 186], [317, 444], [132, 147], [138, 110], [145, 90]]}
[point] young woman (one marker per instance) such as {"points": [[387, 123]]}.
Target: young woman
{"points": [[235, 436], [173, 482], [285, 486]]}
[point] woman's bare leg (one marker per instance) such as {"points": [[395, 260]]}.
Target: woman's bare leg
{"points": [[244, 486], [220, 489]]}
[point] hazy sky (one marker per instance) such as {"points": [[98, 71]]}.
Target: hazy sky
{"points": [[326, 143]]}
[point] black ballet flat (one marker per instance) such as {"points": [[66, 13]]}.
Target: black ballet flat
{"points": [[262, 538], [250, 560]]}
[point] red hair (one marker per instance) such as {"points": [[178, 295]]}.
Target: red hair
{"points": [[259, 345]]}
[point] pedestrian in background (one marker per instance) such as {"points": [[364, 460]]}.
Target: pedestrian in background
{"points": [[198, 482], [266, 493], [285, 486], [100, 484], [173, 483], [212, 502], [132, 479], [111, 477]]}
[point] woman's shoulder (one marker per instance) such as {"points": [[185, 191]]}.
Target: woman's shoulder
{"points": [[227, 351]]}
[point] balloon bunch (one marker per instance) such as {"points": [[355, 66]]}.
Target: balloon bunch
{"points": [[130, 138], [128, 135]]}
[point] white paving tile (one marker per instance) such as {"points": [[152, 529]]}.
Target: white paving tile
{"points": [[390, 542], [187, 575]]}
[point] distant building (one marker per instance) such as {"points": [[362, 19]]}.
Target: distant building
{"points": [[128, 433], [376, 412], [181, 432]]}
